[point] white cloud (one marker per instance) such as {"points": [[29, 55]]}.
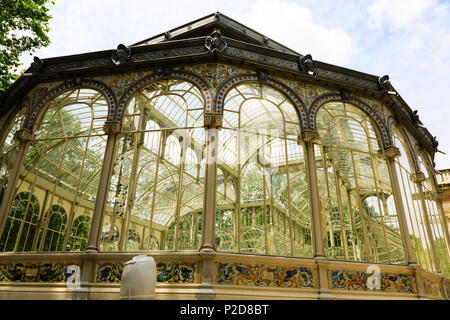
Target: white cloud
{"points": [[293, 26], [397, 13]]}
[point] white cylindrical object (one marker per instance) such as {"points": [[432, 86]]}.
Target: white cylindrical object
{"points": [[138, 279]]}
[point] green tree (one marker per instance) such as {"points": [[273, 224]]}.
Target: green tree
{"points": [[23, 28]]}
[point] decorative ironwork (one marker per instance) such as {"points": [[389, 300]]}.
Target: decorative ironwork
{"points": [[261, 58], [384, 83], [36, 65], [120, 55], [112, 127], [213, 120], [23, 135], [263, 76], [345, 95], [392, 152], [215, 43], [415, 117], [307, 65], [309, 135], [418, 177]]}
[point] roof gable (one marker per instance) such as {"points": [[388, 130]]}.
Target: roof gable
{"points": [[228, 27]]}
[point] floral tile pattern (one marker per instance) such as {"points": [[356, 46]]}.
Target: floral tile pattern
{"points": [[431, 288], [34, 272], [264, 276], [357, 280], [167, 272]]}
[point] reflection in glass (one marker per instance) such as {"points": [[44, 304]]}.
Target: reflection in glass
{"points": [[61, 169], [359, 218], [262, 193], [158, 175]]}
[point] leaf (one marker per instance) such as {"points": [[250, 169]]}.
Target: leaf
{"points": [[23, 28]]}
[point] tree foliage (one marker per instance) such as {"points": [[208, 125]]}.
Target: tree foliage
{"points": [[23, 28]]}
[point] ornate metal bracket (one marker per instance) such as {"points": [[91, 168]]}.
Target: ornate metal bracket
{"points": [[392, 152], [417, 177], [213, 120], [309, 135], [120, 55], [307, 65], [345, 95], [37, 65], [385, 84], [167, 71], [263, 76], [23, 135], [415, 117], [435, 143], [215, 43], [112, 127]]}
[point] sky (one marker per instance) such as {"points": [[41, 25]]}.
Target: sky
{"points": [[407, 39]]}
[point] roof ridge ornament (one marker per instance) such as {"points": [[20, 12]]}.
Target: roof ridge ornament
{"points": [[307, 65], [36, 65], [415, 117], [263, 76], [214, 43], [120, 55], [385, 85]]}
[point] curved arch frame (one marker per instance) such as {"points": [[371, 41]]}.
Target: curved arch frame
{"points": [[412, 152], [98, 86], [223, 90], [376, 120], [202, 85]]}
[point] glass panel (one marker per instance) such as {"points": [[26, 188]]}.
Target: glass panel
{"points": [[157, 184], [8, 150], [435, 219], [358, 213], [262, 194], [61, 169], [415, 219]]}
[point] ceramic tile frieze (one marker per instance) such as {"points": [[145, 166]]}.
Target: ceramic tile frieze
{"points": [[307, 93], [167, 272], [34, 272], [120, 82], [263, 275], [431, 287], [357, 281], [216, 73]]}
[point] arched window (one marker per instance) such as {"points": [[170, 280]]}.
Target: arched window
{"points": [[156, 179], [261, 175], [133, 240], [415, 218], [435, 217], [54, 230], [358, 218], [20, 228], [109, 237], [80, 231], [8, 149], [62, 164]]}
